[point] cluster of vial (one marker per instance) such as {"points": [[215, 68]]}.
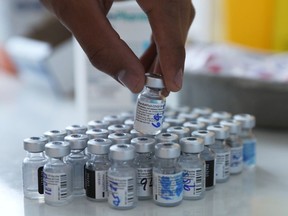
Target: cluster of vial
{"points": [[164, 156]]}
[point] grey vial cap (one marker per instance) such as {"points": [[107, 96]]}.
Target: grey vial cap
{"points": [[233, 125], [129, 122], [35, 144], [221, 132], [154, 81], [174, 121], [120, 138], [248, 121], [165, 125], [194, 125], [192, 144], [119, 128], [99, 146], [97, 133], [202, 111], [179, 130], [98, 124], [55, 135], [207, 136], [221, 115], [207, 120], [167, 150], [167, 137], [77, 141], [126, 115], [188, 116], [76, 129], [143, 144], [57, 149], [122, 152], [112, 119]]}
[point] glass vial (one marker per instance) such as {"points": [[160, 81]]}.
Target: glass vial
{"points": [[77, 159], [222, 152], [193, 168], [120, 138], [221, 115], [32, 167], [55, 135], [248, 139], [167, 175], [174, 121], [209, 156], [202, 111], [76, 129], [97, 133], [235, 144], [122, 192], [96, 169], [150, 106], [180, 131], [100, 124], [193, 125], [119, 128], [112, 119], [144, 147], [57, 174], [167, 137]]}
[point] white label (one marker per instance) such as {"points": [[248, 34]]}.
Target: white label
{"points": [[192, 182], [236, 163], [222, 165], [121, 191], [149, 117], [101, 191], [167, 188], [55, 186], [144, 182]]}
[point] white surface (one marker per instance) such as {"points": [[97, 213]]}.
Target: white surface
{"points": [[28, 110]]}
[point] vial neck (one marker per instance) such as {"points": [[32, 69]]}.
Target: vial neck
{"points": [[191, 155], [56, 160], [153, 91], [99, 157], [167, 163], [246, 132], [220, 142], [77, 153], [36, 156], [122, 163]]}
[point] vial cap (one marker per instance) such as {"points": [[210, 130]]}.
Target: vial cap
{"points": [[129, 122], [194, 125], [77, 141], [221, 115], [167, 150], [179, 130], [248, 121], [57, 149], [119, 128], [233, 125], [207, 136], [202, 111], [221, 132], [207, 120], [97, 133], [181, 109], [122, 152], [98, 124], [112, 119], [192, 144], [175, 121], [120, 138], [99, 146], [126, 115], [76, 129], [154, 81], [165, 125], [188, 116], [143, 144], [55, 135], [35, 144], [167, 137]]}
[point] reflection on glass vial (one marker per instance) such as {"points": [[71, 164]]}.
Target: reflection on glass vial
{"points": [[97, 124], [193, 168], [248, 139], [144, 147], [209, 156], [167, 137], [32, 167], [222, 152], [76, 129], [97, 133], [194, 125], [119, 128], [180, 131], [96, 169], [77, 159], [150, 106], [235, 144], [167, 175], [57, 174], [122, 192], [120, 138], [55, 135]]}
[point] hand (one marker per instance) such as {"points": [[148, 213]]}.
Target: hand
{"points": [[169, 19]]}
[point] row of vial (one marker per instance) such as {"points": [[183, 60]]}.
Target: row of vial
{"points": [[187, 158]]}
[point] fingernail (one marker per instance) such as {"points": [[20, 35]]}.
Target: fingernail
{"points": [[178, 79], [130, 80]]}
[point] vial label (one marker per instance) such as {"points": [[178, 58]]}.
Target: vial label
{"points": [[149, 117], [236, 160], [121, 191], [40, 180], [144, 182], [167, 188], [210, 174], [222, 165], [192, 182], [55, 186], [96, 184], [249, 152]]}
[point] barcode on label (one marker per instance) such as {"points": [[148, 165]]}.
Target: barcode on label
{"points": [[130, 190], [227, 165], [63, 186]]}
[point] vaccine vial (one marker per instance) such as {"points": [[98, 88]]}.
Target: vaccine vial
{"points": [[202, 111], [144, 147], [129, 123], [180, 131], [248, 139], [167, 175], [188, 116], [76, 129], [119, 128], [150, 106], [77, 159], [207, 120], [165, 126], [120, 138], [57, 174], [222, 152], [167, 137], [193, 167], [193, 125], [96, 169], [174, 121], [122, 192], [221, 115], [55, 135], [112, 119], [208, 156], [32, 167], [98, 124], [97, 133], [235, 144]]}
